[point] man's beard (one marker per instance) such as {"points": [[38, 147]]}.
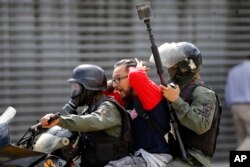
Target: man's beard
{"points": [[127, 94]]}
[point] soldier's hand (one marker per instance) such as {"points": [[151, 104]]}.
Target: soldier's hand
{"points": [[170, 93], [49, 120]]}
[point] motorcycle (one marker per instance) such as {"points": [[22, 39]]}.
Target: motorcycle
{"points": [[38, 147]]}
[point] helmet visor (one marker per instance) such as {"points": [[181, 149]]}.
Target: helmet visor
{"points": [[170, 55], [76, 89]]}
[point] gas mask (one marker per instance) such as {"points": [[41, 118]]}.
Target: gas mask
{"points": [[78, 97]]}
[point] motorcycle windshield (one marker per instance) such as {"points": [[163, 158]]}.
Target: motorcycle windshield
{"points": [[4, 135], [5, 118]]}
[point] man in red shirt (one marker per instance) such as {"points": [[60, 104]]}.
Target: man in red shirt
{"points": [[147, 108]]}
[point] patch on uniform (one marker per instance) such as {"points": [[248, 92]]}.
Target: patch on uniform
{"points": [[133, 114], [105, 112], [206, 110]]}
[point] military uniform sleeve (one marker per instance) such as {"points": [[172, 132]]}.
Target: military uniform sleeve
{"points": [[199, 115], [106, 117]]}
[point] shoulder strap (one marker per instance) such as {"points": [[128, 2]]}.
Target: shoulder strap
{"points": [[141, 112], [187, 92]]}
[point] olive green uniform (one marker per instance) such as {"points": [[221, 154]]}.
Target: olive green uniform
{"points": [[107, 118], [198, 117]]}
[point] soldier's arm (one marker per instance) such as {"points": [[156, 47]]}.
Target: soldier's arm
{"points": [[105, 117], [199, 115]]}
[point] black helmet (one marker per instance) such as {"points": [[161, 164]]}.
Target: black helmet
{"points": [[184, 55], [87, 80], [91, 77]]}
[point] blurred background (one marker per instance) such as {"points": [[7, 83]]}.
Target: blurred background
{"points": [[41, 41]]}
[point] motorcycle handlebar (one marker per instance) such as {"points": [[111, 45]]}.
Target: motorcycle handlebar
{"points": [[38, 126]]}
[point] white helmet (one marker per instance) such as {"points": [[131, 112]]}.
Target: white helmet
{"points": [[183, 54], [180, 58]]}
